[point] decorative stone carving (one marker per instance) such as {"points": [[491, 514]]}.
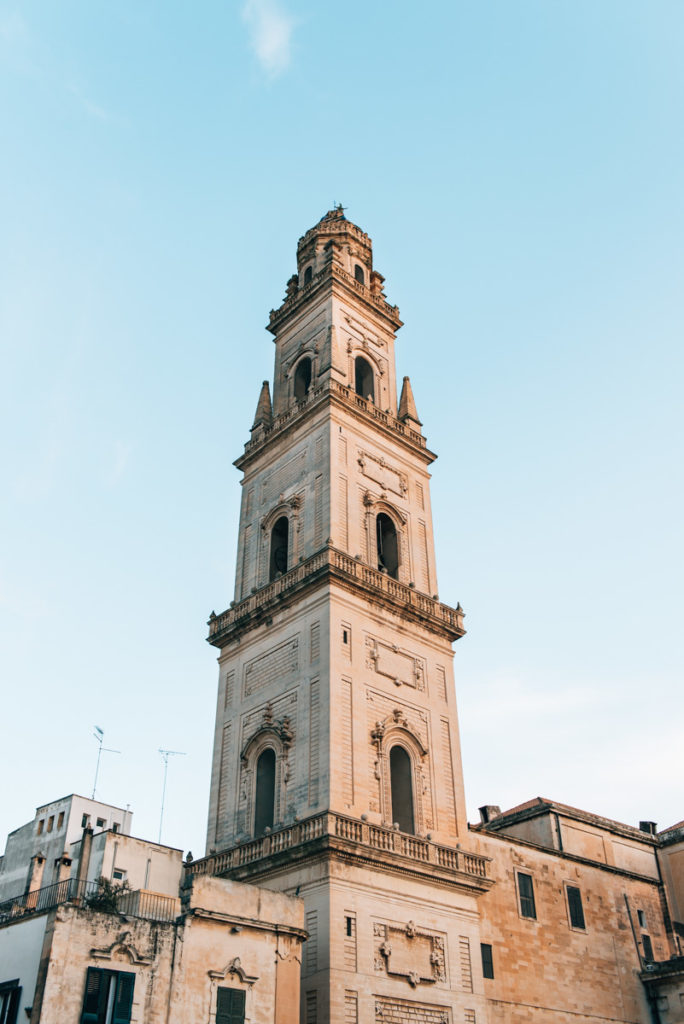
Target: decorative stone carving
{"points": [[123, 951], [234, 967], [381, 472], [410, 952], [400, 666]]}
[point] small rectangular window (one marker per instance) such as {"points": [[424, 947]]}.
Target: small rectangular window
{"points": [[41, 826], [575, 907], [85, 821], [642, 918], [345, 636], [526, 893], [230, 1005], [648, 948], [101, 822], [51, 822], [60, 820], [487, 960], [116, 826], [119, 875]]}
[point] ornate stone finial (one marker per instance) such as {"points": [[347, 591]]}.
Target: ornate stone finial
{"points": [[292, 287], [407, 406], [264, 409], [268, 714]]}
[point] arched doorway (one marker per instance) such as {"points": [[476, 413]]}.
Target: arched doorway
{"points": [[387, 545], [401, 784], [264, 800], [280, 535], [363, 379]]}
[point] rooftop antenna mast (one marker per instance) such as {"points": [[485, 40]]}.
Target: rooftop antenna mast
{"points": [[99, 738], [166, 754]]}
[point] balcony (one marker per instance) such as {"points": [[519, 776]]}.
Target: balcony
{"points": [[337, 831], [94, 896], [331, 563]]}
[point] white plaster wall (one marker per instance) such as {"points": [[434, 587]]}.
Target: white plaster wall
{"points": [[21, 945]]}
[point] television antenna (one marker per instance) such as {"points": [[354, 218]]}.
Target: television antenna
{"points": [[99, 738], [166, 754]]}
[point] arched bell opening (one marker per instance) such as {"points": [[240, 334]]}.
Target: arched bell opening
{"points": [[363, 379], [302, 379], [308, 276], [280, 535], [359, 274], [401, 789], [387, 545], [264, 797]]}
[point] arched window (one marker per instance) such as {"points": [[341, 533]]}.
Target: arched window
{"points": [[302, 379], [359, 274], [388, 546], [363, 378], [402, 789], [279, 544], [264, 800], [308, 276]]}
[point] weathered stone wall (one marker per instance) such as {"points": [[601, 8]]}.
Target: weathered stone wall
{"points": [[545, 969]]}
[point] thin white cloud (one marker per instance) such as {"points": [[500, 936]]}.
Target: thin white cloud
{"points": [[270, 30]]}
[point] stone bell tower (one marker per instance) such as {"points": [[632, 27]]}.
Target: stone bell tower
{"points": [[336, 770]]}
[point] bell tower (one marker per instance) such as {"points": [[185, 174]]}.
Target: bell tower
{"points": [[336, 770]]}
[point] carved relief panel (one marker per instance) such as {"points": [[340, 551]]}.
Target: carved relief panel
{"points": [[407, 951], [394, 663], [379, 471]]}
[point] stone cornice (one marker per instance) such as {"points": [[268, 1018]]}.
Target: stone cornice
{"points": [[326, 566], [331, 391], [330, 275]]}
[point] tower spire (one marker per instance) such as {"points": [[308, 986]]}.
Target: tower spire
{"points": [[264, 411], [407, 406]]}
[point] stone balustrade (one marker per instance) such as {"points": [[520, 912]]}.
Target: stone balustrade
{"points": [[350, 830], [330, 560]]}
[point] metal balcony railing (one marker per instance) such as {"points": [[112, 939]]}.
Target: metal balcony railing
{"points": [[93, 895]]}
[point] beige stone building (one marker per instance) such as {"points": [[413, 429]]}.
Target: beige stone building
{"points": [[337, 772], [129, 936], [342, 883]]}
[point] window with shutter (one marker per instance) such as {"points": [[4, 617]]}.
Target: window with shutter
{"points": [[108, 997], [230, 1005], [10, 993], [526, 893], [575, 907], [487, 960]]}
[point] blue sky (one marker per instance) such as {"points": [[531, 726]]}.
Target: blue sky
{"points": [[519, 166]]}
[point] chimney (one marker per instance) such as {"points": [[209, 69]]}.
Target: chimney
{"points": [[488, 812]]}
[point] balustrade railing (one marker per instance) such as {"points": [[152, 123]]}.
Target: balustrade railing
{"points": [[346, 565], [376, 837]]}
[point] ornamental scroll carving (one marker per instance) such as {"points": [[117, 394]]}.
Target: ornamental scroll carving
{"points": [[407, 951]]}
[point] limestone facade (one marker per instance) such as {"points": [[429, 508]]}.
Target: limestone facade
{"points": [[337, 773]]}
